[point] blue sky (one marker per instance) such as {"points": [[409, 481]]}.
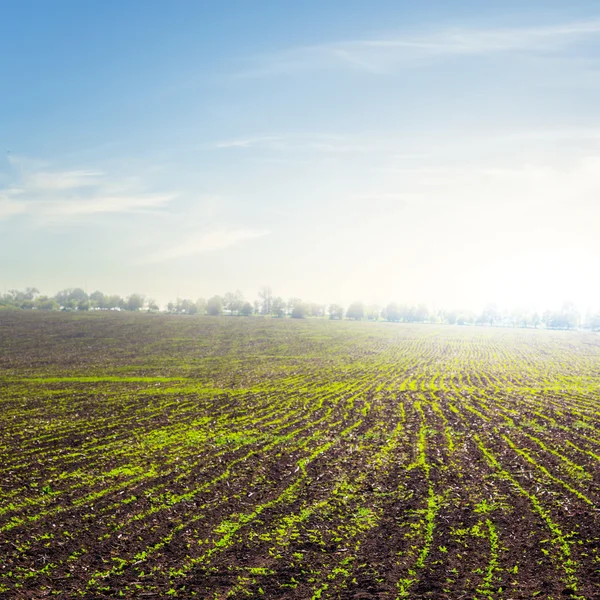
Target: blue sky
{"points": [[445, 152]]}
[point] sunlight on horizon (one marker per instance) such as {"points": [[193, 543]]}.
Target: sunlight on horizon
{"points": [[443, 156]]}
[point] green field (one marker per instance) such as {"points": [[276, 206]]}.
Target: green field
{"points": [[153, 456]]}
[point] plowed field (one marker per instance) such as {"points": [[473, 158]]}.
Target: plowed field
{"points": [[149, 456]]}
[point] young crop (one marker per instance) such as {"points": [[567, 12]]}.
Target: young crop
{"points": [[146, 456]]}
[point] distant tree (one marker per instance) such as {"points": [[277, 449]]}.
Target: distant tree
{"points": [[466, 317], [414, 314], [336, 311], [20, 299], [266, 296], [278, 307], [152, 305], [566, 318], [571, 315], [316, 310], [233, 302], [520, 317], [201, 306], [98, 300], [490, 315], [72, 299], [134, 302], [547, 318], [46, 303], [299, 310], [114, 301], [190, 307], [31, 293], [513, 317], [593, 322], [246, 309], [290, 305], [185, 306], [78, 295], [356, 311], [214, 306], [373, 312], [62, 297], [228, 302], [65, 300], [435, 317], [421, 313], [392, 312], [238, 302], [449, 316]]}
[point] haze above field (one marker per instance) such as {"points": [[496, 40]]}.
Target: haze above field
{"points": [[446, 153]]}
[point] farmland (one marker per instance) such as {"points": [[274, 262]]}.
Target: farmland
{"points": [[153, 456]]}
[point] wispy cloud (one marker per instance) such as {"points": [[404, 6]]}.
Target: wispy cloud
{"points": [[9, 208], [383, 54], [62, 180], [248, 142], [548, 134], [50, 196], [203, 242], [314, 142], [105, 204]]}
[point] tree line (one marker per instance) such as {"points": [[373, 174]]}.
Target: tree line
{"points": [[74, 299], [269, 305]]}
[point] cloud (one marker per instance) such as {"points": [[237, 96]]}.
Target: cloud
{"points": [[63, 180], [9, 208], [50, 196], [111, 204], [247, 142], [383, 54], [319, 142], [552, 135], [203, 243]]}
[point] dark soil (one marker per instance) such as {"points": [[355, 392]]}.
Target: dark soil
{"points": [[149, 456]]}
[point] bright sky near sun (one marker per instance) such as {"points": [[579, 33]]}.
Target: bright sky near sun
{"points": [[439, 152]]}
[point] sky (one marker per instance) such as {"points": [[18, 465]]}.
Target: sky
{"points": [[437, 152]]}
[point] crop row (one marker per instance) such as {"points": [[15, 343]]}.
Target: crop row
{"points": [[191, 457]]}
